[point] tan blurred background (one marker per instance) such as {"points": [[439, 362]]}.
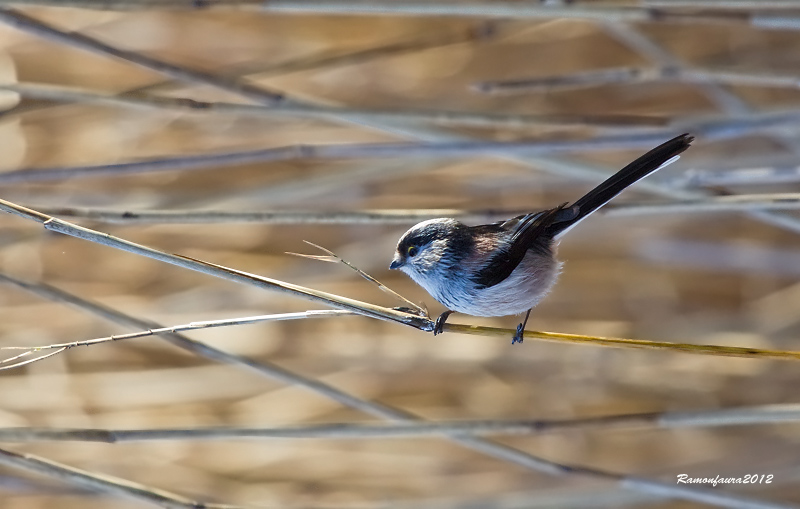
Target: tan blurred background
{"points": [[725, 277]]}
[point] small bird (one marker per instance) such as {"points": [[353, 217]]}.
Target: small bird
{"points": [[506, 268]]}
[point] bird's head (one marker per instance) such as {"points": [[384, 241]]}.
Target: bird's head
{"points": [[425, 250]]}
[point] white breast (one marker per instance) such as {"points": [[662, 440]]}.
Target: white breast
{"points": [[523, 289]]}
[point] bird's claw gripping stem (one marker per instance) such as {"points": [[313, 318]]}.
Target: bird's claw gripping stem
{"points": [[438, 327], [518, 337]]}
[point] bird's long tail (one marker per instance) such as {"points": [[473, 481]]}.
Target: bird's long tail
{"points": [[659, 157]]}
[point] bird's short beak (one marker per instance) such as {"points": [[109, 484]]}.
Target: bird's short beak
{"points": [[396, 263]]}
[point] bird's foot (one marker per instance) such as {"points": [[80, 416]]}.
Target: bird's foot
{"points": [[518, 337], [521, 329], [438, 326]]}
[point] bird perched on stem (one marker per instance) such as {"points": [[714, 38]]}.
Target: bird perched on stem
{"points": [[505, 268]]}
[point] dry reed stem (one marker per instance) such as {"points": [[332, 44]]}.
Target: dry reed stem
{"points": [[731, 203], [205, 324], [506, 10], [364, 308], [21, 21], [101, 483], [631, 75], [741, 416], [445, 149], [330, 256], [784, 174], [148, 101]]}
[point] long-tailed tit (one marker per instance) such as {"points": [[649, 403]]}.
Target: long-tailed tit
{"points": [[505, 268]]}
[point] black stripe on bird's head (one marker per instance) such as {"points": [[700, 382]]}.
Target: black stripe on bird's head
{"points": [[424, 245]]}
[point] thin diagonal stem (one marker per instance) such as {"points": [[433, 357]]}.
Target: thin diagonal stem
{"points": [[142, 100], [448, 149], [101, 483], [29, 24], [16, 361]]}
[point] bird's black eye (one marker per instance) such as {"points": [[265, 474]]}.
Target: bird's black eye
{"points": [[412, 251]]}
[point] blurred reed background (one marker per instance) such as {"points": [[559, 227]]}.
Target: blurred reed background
{"points": [[153, 82]]}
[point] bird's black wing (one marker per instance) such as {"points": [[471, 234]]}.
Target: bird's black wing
{"points": [[525, 232]]}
